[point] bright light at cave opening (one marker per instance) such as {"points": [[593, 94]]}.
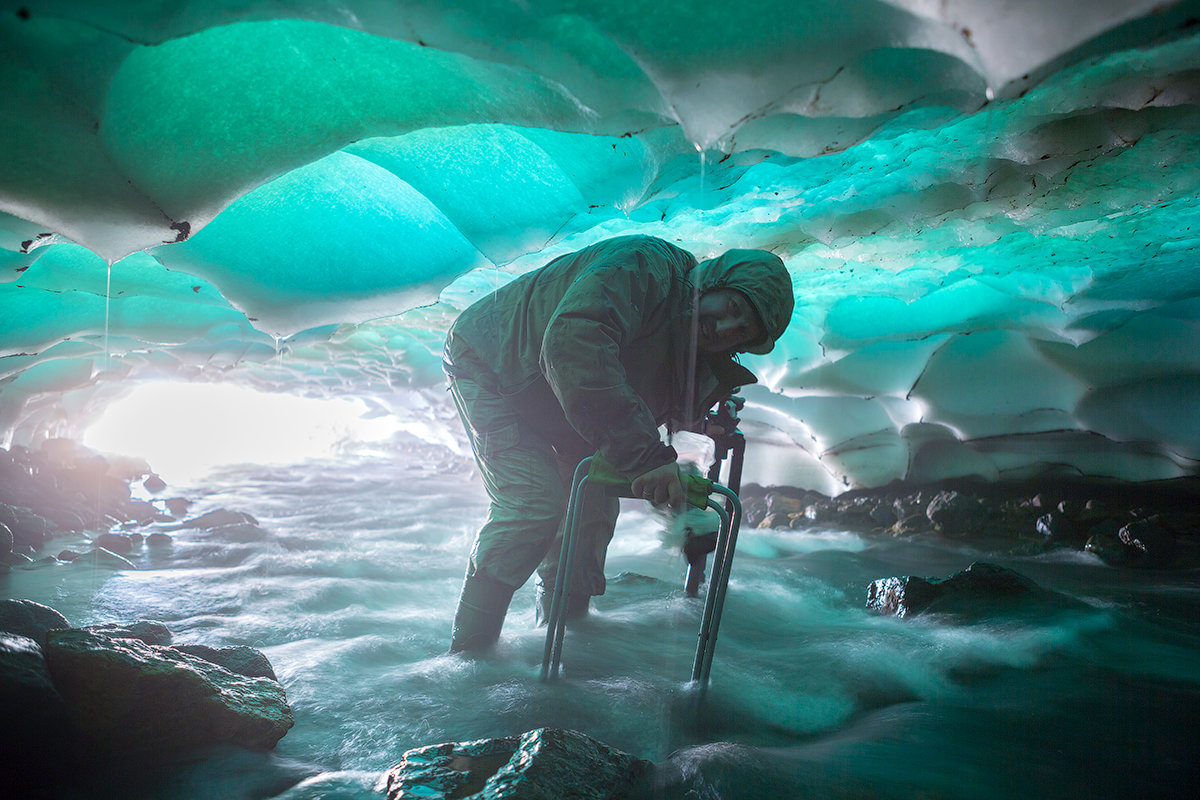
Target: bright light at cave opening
{"points": [[186, 430]]}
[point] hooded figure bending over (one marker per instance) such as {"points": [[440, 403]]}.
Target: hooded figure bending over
{"points": [[592, 353]]}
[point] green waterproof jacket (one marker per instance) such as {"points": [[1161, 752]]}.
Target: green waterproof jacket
{"points": [[596, 350]]}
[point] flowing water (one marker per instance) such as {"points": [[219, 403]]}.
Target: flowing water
{"points": [[351, 590]]}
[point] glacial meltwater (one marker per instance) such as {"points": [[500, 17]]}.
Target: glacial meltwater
{"points": [[351, 586]]}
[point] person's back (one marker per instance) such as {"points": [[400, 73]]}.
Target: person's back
{"points": [[506, 328]]}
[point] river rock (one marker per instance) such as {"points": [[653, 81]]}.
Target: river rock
{"points": [[1153, 542], [28, 528], [177, 506], [955, 514], [141, 512], [27, 618], [883, 514], [973, 593], [128, 698], [15, 559], [36, 738], [32, 708], [100, 557], [6, 539], [144, 630], [543, 764], [1108, 547], [239, 658], [119, 543], [1058, 529], [159, 539]]}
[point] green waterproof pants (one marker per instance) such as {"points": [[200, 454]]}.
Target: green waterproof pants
{"points": [[528, 484]]}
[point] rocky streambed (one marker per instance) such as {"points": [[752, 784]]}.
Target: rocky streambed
{"points": [[121, 697]]}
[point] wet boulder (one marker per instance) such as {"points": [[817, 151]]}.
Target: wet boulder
{"points": [[119, 543], [140, 512], [241, 659], [1057, 529], [543, 764], [781, 508], [33, 718], [883, 514], [100, 557], [63, 519], [8, 516], [908, 523], [975, 593], [820, 512], [25, 682], [30, 619], [28, 529], [1104, 543], [146, 631], [177, 506], [955, 514], [128, 698], [1151, 540]]}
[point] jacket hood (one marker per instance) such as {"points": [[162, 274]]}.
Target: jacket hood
{"points": [[763, 279]]}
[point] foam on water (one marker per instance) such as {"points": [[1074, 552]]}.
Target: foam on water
{"points": [[350, 580]]}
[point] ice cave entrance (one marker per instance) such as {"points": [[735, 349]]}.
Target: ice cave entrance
{"points": [[187, 430]]}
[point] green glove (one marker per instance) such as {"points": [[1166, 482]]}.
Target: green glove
{"points": [[600, 471]]}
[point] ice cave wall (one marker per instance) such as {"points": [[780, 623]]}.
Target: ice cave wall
{"points": [[989, 209]]}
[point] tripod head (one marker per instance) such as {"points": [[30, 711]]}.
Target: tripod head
{"points": [[721, 425]]}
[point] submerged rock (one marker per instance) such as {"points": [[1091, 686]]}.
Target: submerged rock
{"points": [[128, 698], [100, 557], [975, 592], [216, 519], [543, 764]]}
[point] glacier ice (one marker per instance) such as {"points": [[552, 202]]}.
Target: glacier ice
{"points": [[989, 211]]}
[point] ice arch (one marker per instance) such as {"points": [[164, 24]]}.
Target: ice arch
{"points": [[993, 236]]}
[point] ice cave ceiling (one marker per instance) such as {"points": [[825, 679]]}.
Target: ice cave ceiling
{"points": [[989, 207]]}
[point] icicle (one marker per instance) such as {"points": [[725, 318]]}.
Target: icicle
{"points": [[107, 313]]}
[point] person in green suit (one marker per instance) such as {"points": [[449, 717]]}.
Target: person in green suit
{"points": [[592, 353]]}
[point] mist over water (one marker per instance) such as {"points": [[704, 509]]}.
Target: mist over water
{"points": [[350, 586]]}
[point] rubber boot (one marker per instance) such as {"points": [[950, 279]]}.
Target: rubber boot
{"points": [[480, 615], [577, 605]]}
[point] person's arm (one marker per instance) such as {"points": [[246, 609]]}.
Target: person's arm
{"points": [[605, 309]]}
